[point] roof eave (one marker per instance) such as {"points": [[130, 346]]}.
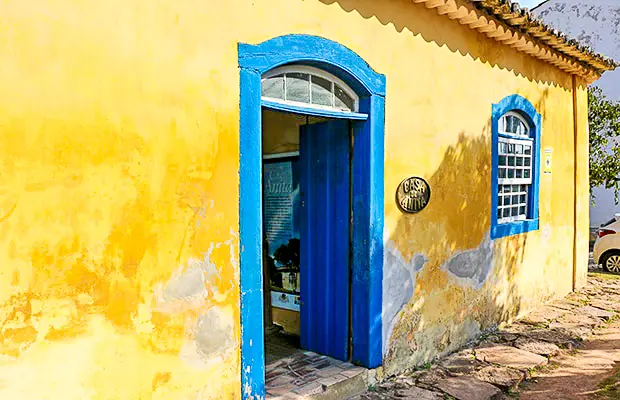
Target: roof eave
{"points": [[506, 22]]}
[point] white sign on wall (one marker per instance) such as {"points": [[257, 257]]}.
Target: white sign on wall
{"points": [[548, 164]]}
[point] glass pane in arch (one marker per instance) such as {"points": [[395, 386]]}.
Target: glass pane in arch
{"points": [[297, 87], [512, 123], [343, 100], [273, 87], [312, 87], [322, 91]]}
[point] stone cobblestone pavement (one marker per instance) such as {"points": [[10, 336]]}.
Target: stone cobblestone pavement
{"points": [[506, 363]]}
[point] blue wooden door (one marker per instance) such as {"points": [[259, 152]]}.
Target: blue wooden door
{"points": [[324, 242]]}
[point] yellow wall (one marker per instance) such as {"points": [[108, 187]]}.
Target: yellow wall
{"points": [[582, 223], [118, 207]]}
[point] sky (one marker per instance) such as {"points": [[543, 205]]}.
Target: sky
{"points": [[529, 3]]}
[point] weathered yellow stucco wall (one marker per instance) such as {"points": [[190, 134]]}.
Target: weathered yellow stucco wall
{"points": [[119, 244], [583, 179], [119, 273]]}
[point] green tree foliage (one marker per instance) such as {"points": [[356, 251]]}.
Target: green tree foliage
{"points": [[604, 118]]}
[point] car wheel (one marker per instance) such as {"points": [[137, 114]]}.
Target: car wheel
{"points": [[611, 262]]}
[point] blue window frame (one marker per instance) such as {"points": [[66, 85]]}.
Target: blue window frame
{"points": [[515, 177]]}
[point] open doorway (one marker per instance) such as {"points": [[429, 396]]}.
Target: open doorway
{"points": [[307, 207], [306, 234], [281, 232], [306, 250], [300, 93]]}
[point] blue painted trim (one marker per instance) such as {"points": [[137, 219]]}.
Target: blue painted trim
{"points": [[254, 60], [514, 228], [368, 223], [313, 50], [318, 112], [533, 118], [250, 233]]}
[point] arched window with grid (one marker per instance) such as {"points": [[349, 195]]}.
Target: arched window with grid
{"points": [[516, 141], [514, 167]]}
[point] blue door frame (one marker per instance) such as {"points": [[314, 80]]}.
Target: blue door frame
{"points": [[367, 190]]}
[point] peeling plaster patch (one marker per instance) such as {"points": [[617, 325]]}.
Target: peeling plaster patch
{"points": [[247, 391], [234, 252], [192, 282], [419, 260], [472, 267], [399, 278], [213, 333], [431, 342], [213, 339]]}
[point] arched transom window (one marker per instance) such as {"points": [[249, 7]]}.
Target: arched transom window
{"points": [[308, 87], [514, 167], [512, 123]]}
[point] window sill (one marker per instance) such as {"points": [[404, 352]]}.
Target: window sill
{"points": [[513, 228]]}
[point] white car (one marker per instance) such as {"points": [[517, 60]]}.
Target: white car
{"points": [[607, 245]]}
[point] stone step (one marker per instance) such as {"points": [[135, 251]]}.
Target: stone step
{"points": [[502, 377], [511, 357], [596, 312], [344, 389], [537, 346], [469, 388]]}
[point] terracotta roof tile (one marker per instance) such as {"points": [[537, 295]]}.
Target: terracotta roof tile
{"points": [[506, 22], [511, 13]]}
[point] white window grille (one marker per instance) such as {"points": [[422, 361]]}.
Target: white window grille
{"points": [[514, 168], [308, 87]]}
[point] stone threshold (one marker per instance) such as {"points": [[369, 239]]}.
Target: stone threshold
{"points": [[307, 375]]}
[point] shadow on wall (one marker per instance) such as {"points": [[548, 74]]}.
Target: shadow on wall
{"points": [[445, 280], [407, 17]]}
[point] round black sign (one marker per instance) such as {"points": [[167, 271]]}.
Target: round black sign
{"points": [[412, 195]]}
